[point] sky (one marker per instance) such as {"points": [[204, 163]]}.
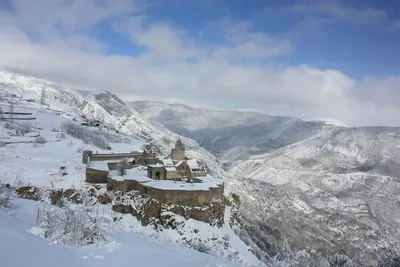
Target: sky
{"points": [[313, 59]]}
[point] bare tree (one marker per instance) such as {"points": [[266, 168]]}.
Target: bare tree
{"points": [[43, 96], [23, 128], [122, 166]]}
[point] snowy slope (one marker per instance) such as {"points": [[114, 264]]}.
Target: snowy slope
{"points": [[305, 185], [18, 247], [223, 132], [25, 162], [107, 108]]}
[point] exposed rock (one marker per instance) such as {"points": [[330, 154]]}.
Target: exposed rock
{"points": [[55, 196], [73, 196], [28, 192], [122, 208], [236, 199], [134, 212], [104, 199], [152, 209]]}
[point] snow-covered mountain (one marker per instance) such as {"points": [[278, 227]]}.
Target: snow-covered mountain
{"points": [[23, 161], [230, 135], [305, 185], [107, 108]]}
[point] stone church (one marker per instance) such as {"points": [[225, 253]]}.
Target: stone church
{"points": [[176, 166]]}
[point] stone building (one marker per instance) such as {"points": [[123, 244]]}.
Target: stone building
{"points": [[176, 166], [173, 167]]}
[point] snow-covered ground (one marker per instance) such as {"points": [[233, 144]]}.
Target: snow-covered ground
{"points": [[27, 162], [39, 164], [19, 247]]}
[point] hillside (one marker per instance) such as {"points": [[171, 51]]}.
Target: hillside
{"points": [[127, 248], [304, 185], [230, 135], [56, 163]]}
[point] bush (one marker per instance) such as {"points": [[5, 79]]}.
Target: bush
{"points": [[73, 225], [6, 196], [101, 142], [23, 128], [200, 246], [122, 166], [8, 125], [98, 138], [40, 140], [389, 258]]}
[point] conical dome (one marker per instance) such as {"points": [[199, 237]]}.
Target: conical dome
{"points": [[179, 144]]}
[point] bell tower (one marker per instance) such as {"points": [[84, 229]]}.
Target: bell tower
{"points": [[178, 152]]}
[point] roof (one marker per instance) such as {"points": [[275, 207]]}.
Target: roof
{"points": [[98, 165], [179, 163], [179, 144], [168, 162], [170, 169], [157, 165], [193, 164]]}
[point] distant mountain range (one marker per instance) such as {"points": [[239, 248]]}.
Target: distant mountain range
{"points": [[305, 187], [310, 185]]}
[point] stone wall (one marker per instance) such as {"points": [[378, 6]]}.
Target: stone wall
{"points": [[96, 176], [178, 197], [183, 197], [178, 154], [171, 175], [116, 157]]}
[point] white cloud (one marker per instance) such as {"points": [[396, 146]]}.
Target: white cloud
{"points": [[174, 64], [243, 43], [326, 12]]}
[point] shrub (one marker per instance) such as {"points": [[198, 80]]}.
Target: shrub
{"points": [[101, 142], [98, 138], [122, 166], [200, 246], [6, 196], [73, 225], [23, 128], [40, 140]]}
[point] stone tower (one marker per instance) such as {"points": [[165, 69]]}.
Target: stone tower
{"points": [[178, 152]]}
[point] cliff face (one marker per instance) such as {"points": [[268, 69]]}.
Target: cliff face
{"points": [[150, 211]]}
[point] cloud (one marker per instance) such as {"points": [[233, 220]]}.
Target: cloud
{"points": [[174, 64], [244, 43], [328, 12], [395, 25]]}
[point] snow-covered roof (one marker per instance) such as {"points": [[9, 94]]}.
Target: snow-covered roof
{"points": [[157, 165], [98, 165], [193, 164], [179, 163], [131, 174], [170, 169], [168, 162]]}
